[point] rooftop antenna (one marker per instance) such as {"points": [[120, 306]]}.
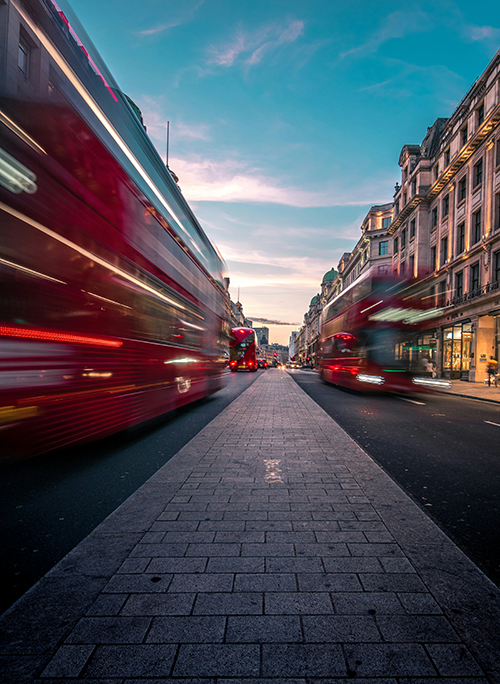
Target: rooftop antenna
{"points": [[238, 293], [168, 140]]}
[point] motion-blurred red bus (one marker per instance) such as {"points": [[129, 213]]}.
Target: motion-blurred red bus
{"points": [[113, 301], [243, 350], [370, 337]]}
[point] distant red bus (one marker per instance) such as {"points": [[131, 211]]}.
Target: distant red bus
{"points": [[243, 349], [371, 337]]}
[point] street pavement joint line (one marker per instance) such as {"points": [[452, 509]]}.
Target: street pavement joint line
{"points": [[490, 423], [412, 401]]}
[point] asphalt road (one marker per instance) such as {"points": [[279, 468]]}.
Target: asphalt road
{"points": [[440, 449], [49, 503]]}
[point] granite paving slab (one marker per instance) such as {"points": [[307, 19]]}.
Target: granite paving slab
{"points": [[271, 549]]}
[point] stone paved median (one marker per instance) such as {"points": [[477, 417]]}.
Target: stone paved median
{"points": [[271, 548]]}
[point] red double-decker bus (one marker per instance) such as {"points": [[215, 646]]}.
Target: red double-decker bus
{"points": [[370, 337], [113, 303], [243, 349]]}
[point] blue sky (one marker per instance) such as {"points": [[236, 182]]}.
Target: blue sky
{"points": [[287, 118]]}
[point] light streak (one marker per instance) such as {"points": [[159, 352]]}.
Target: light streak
{"points": [[20, 132], [89, 255], [30, 271], [97, 111], [30, 333]]}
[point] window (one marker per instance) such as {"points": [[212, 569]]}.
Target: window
{"points": [[496, 224], [447, 157], [386, 222], [396, 207], [446, 205], [476, 227], [496, 267], [402, 268], [395, 246], [383, 269], [434, 218], [463, 136], [478, 173], [459, 284], [405, 199], [474, 278], [433, 258], [461, 238], [436, 172], [480, 114], [442, 293], [414, 187], [412, 266], [497, 153], [403, 238], [23, 57], [462, 188], [412, 229], [444, 251], [383, 247], [405, 173]]}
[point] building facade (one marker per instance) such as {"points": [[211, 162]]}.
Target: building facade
{"points": [[446, 228], [373, 249], [262, 336], [291, 345]]}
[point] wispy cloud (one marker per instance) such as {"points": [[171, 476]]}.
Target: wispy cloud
{"points": [[249, 47], [233, 181], [488, 35], [186, 13], [192, 131], [156, 122], [268, 321], [396, 25], [406, 22]]}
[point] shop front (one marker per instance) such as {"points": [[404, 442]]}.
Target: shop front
{"points": [[457, 350]]}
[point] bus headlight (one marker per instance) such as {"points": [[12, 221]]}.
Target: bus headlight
{"points": [[432, 382], [372, 379]]}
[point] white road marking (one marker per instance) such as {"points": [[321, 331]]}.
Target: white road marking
{"points": [[412, 401], [490, 423]]}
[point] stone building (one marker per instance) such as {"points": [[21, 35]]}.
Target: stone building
{"points": [[262, 336], [373, 249], [446, 228], [291, 345]]}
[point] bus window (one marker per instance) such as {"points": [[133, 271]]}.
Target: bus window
{"points": [[344, 345]]}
